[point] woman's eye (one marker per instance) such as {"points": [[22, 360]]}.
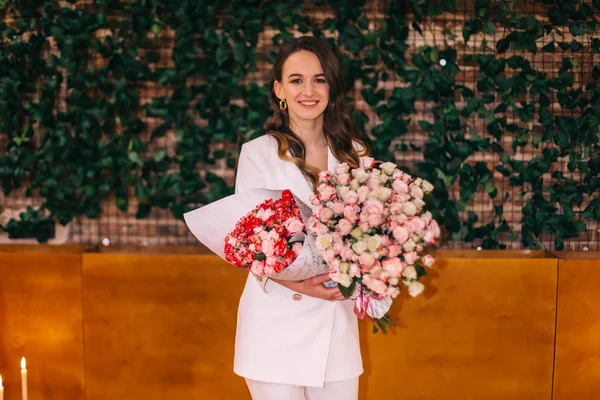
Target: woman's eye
{"points": [[296, 81], [321, 81]]}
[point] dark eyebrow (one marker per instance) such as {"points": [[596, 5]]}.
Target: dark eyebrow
{"points": [[300, 75]]}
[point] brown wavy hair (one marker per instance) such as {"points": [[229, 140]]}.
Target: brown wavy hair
{"points": [[337, 126]]}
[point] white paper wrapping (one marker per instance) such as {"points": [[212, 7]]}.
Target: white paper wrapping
{"points": [[210, 224]]}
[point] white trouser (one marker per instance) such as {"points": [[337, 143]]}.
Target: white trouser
{"points": [[342, 390]]}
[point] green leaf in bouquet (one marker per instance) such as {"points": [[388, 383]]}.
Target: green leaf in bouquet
{"points": [[347, 291]]}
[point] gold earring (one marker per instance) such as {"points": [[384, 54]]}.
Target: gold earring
{"points": [[282, 105]]}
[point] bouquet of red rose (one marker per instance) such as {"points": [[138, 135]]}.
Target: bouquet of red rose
{"points": [[267, 240], [261, 230]]}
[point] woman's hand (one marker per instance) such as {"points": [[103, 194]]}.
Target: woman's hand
{"points": [[313, 287]]}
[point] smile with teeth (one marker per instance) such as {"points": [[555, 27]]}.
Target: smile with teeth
{"points": [[308, 104]]}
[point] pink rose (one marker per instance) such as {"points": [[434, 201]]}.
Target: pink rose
{"points": [[324, 176], [373, 183], [392, 224], [428, 260], [410, 258], [374, 284], [400, 234], [322, 229], [326, 191], [354, 270], [347, 254], [416, 191], [326, 214], [350, 214], [367, 162], [257, 267], [341, 168], [351, 197], [394, 251], [419, 224], [373, 207], [338, 246], [271, 261], [392, 292], [375, 220], [328, 255], [363, 192], [273, 235], [294, 225], [376, 271], [394, 266], [396, 208], [366, 259], [343, 179], [344, 226], [338, 208], [364, 226], [315, 199], [313, 225], [385, 241], [268, 248], [400, 186]]}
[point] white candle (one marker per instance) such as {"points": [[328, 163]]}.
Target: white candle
{"points": [[23, 379], [1, 389]]}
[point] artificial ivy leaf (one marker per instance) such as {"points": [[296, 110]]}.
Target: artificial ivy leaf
{"points": [[576, 29]]}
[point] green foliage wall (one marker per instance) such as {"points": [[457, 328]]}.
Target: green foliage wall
{"points": [[75, 123]]}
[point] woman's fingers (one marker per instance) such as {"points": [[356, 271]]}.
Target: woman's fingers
{"points": [[321, 278]]}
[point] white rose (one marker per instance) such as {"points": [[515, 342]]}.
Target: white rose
{"points": [[418, 204], [415, 288], [409, 245], [344, 279], [409, 209], [388, 168], [359, 247], [418, 182], [393, 281], [426, 187], [360, 174], [354, 185], [383, 179], [356, 233], [342, 190], [373, 242], [384, 194], [410, 272], [354, 270], [324, 241], [344, 267]]}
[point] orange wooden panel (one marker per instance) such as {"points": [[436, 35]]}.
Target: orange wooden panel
{"points": [[483, 329], [161, 327], [577, 370], [41, 319]]}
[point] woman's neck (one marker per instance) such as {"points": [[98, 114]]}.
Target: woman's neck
{"points": [[311, 132]]}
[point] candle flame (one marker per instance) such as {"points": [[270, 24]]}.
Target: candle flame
{"points": [[23, 363], [0, 381]]}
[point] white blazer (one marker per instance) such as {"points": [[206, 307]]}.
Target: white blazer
{"points": [[282, 336]]}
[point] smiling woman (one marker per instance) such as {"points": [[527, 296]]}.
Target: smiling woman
{"points": [[299, 338]]}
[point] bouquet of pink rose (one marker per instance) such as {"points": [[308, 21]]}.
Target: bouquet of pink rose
{"points": [[370, 228]]}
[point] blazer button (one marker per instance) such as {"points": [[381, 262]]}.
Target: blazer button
{"points": [[297, 297], [259, 278]]}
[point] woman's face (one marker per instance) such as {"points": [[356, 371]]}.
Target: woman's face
{"points": [[303, 86]]}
